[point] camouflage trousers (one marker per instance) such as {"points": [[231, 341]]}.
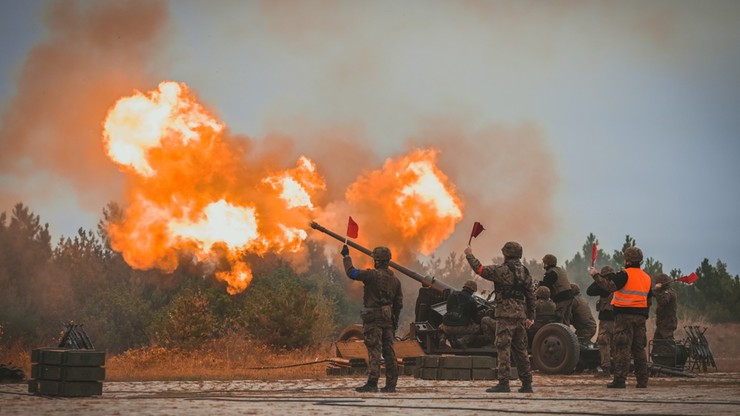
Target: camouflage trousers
{"points": [[461, 335], [488, 328], [564, 311], [604, 341], [379, 342], [630, 340], [511, 340]]}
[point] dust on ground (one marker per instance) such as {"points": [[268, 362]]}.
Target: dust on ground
{"points": [[708, 393]]}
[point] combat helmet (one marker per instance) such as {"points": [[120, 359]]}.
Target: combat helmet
{"points": [[549, 260], [471, 285], [542, 292], [381, 255], [632, 255], [575, 288], [512, 250], [606, 270], [663, 279]]}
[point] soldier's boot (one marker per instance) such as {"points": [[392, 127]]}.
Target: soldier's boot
{"points": [[618, 383], [389, 388], [603, 373], [370, 387], [526, 387], [641, 384], [502, 387]]}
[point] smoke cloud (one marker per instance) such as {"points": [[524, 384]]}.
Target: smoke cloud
{"points": [[50, 130]]}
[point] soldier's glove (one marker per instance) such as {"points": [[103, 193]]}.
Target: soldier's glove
{"points": [[658, 286], [345, 251], [592, 271]]}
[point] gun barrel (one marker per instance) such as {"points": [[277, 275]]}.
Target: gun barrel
{"points": [[426, 281]]}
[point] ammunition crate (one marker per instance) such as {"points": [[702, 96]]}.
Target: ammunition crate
{"points": [[456, 367], [66, 372], [65, 388]]}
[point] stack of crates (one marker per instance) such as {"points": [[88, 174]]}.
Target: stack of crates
{"points": [[451, 367], [67, 372]]}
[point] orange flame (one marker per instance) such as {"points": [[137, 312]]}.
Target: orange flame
{"points": [[192, 192], [412, 199], [191, 189]]}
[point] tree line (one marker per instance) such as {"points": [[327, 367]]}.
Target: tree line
{"points": [[81, 279]]}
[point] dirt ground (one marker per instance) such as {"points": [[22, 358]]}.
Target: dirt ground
{"points": [[710, 393]]}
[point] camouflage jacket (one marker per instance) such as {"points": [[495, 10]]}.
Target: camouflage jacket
{"points": [[382, 287], [513, 285], [665, 312]]}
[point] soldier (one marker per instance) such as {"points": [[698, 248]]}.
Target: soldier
{"points": [[459, 323], [544, 311], [382, 301], [544, 306], [606, 323], [557, 281], [631, 289], [515, 313], [582, 320], [665, 313]]}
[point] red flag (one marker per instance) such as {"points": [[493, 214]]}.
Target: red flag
{"points": [[690, 279], [477, 229], [352, 228], [594, 252]]}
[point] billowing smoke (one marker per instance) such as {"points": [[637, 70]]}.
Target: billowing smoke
{"points": [[193, 185], [94, 52]]}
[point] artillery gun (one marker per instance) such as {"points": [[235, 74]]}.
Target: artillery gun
{"points": [[554, 347]]}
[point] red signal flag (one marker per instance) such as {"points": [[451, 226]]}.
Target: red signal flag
{"points": [[594, 252], [352, 228], [477, 229], [690, 279]]}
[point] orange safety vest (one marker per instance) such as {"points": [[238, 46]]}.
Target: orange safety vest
{"points": [[635, 291]]}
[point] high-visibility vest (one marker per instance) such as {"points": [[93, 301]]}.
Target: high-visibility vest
{"points": [[635, 291]]}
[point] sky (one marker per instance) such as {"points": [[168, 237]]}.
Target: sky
{"points": [[553, 119]]}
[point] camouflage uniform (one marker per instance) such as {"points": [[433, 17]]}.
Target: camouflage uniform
{"points": [[557, 281], [665, 312], [382, 301], [544, 311], [606, 322], [488, 328], [630, 338], [583, 320], [514, 303]]}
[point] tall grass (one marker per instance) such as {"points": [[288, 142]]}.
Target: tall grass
{"points": [[233, 357]]}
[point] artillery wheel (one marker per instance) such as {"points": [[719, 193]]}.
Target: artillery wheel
{"points": [[352, 333], [555, 349]]}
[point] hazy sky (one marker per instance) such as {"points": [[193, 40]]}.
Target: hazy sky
{"points": [[632, 108]]}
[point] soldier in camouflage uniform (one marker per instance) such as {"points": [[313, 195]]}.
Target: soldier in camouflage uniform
{"points": [[515, 313], [631, 290], [582, 320], [382, 301], [544, 311], [557, 281], [665, 312], [606, 323]]}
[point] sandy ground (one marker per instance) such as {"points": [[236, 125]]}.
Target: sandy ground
{"points": [[712, 393]]}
